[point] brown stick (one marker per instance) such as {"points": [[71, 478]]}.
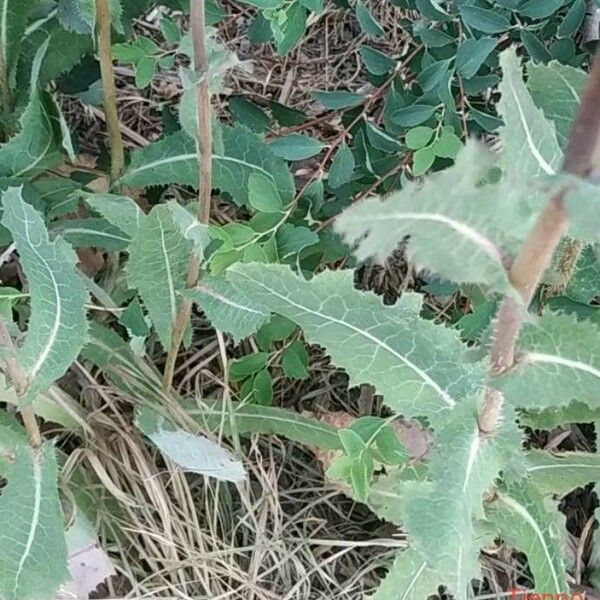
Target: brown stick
{"points": [[204, 149], [117, 154], [19, 380], [582, 158]]}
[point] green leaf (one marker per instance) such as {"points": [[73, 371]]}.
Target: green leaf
{"points": [[193, 453], [295, 146], [287, 116], [418, 137], [422, 161], [368, 25], [409, 578], [556, 89], [288, 32], [486, 121], [573, 412], [159, 253], [262, 194], [447, 145], [484, 19], [248, 365], [227, 309], [80, 15], [474, 324], [262, 387], [342, 167], [352, 443], [449, 207], [529, 140], [540, 9], [92, 231], [534, 46], [294, 361], [410, 116], [381, 140], [423, 374], [572, 20], [559, 358], [174, 160], [472, 54], [249, 115], [251, 418], [376, 62], [563, 472], [523, 521], [292, 239], [433, 75], [584, 285], [36, 147], [57, 326], [145, 71], [33, 552], [338, 99]]}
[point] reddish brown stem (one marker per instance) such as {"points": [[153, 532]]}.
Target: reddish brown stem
{"points": [[204, 149], [582, 158]]}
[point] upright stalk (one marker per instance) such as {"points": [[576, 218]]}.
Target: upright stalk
{"points": [[204, 151], [582, 159], [117, 155], [20, 383]]}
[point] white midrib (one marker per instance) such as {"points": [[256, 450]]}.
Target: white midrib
{"points": [[473, 451], [521, 510], [426, 378], [413, 582], [562, 465], [172, 299], [3, 35], [474, 236], [39, 363], [83, 230], [540, 357], [35, 517], [41, 155], [194, 156], [534, 150], [210, 292]]}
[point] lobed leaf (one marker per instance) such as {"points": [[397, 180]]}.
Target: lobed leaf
{"points": [[121, 211], [228, 309], [523, 521], [57, 326], [420, 368], [559, 358], [470, 221]]}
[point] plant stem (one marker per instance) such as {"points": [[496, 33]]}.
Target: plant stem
{"points": [[6, 95], [204, 150], [19, 380], [117, 155], [582, 159]]}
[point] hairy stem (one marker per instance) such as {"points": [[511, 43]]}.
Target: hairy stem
{"points": [[117, 155], [565, 267], [19, 379], [204, 150], [582, 158], [6, 95]]}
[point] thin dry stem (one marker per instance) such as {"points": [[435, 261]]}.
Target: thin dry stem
{"points": [[117, 155], [20, 382], [582, 158], [204, 149]]}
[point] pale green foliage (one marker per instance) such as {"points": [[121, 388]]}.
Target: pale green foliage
{"points": [[529, 140], [174, 160], [158, 259], [35, 148], [57, 326], [409, 578], [228, 309], [556, 88], [440, 514], [79, 16], [522, 519], [559, 361], [33, 554], [191, 452], [413, 363], [189, 226], [469, 221], [563, 472]]}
